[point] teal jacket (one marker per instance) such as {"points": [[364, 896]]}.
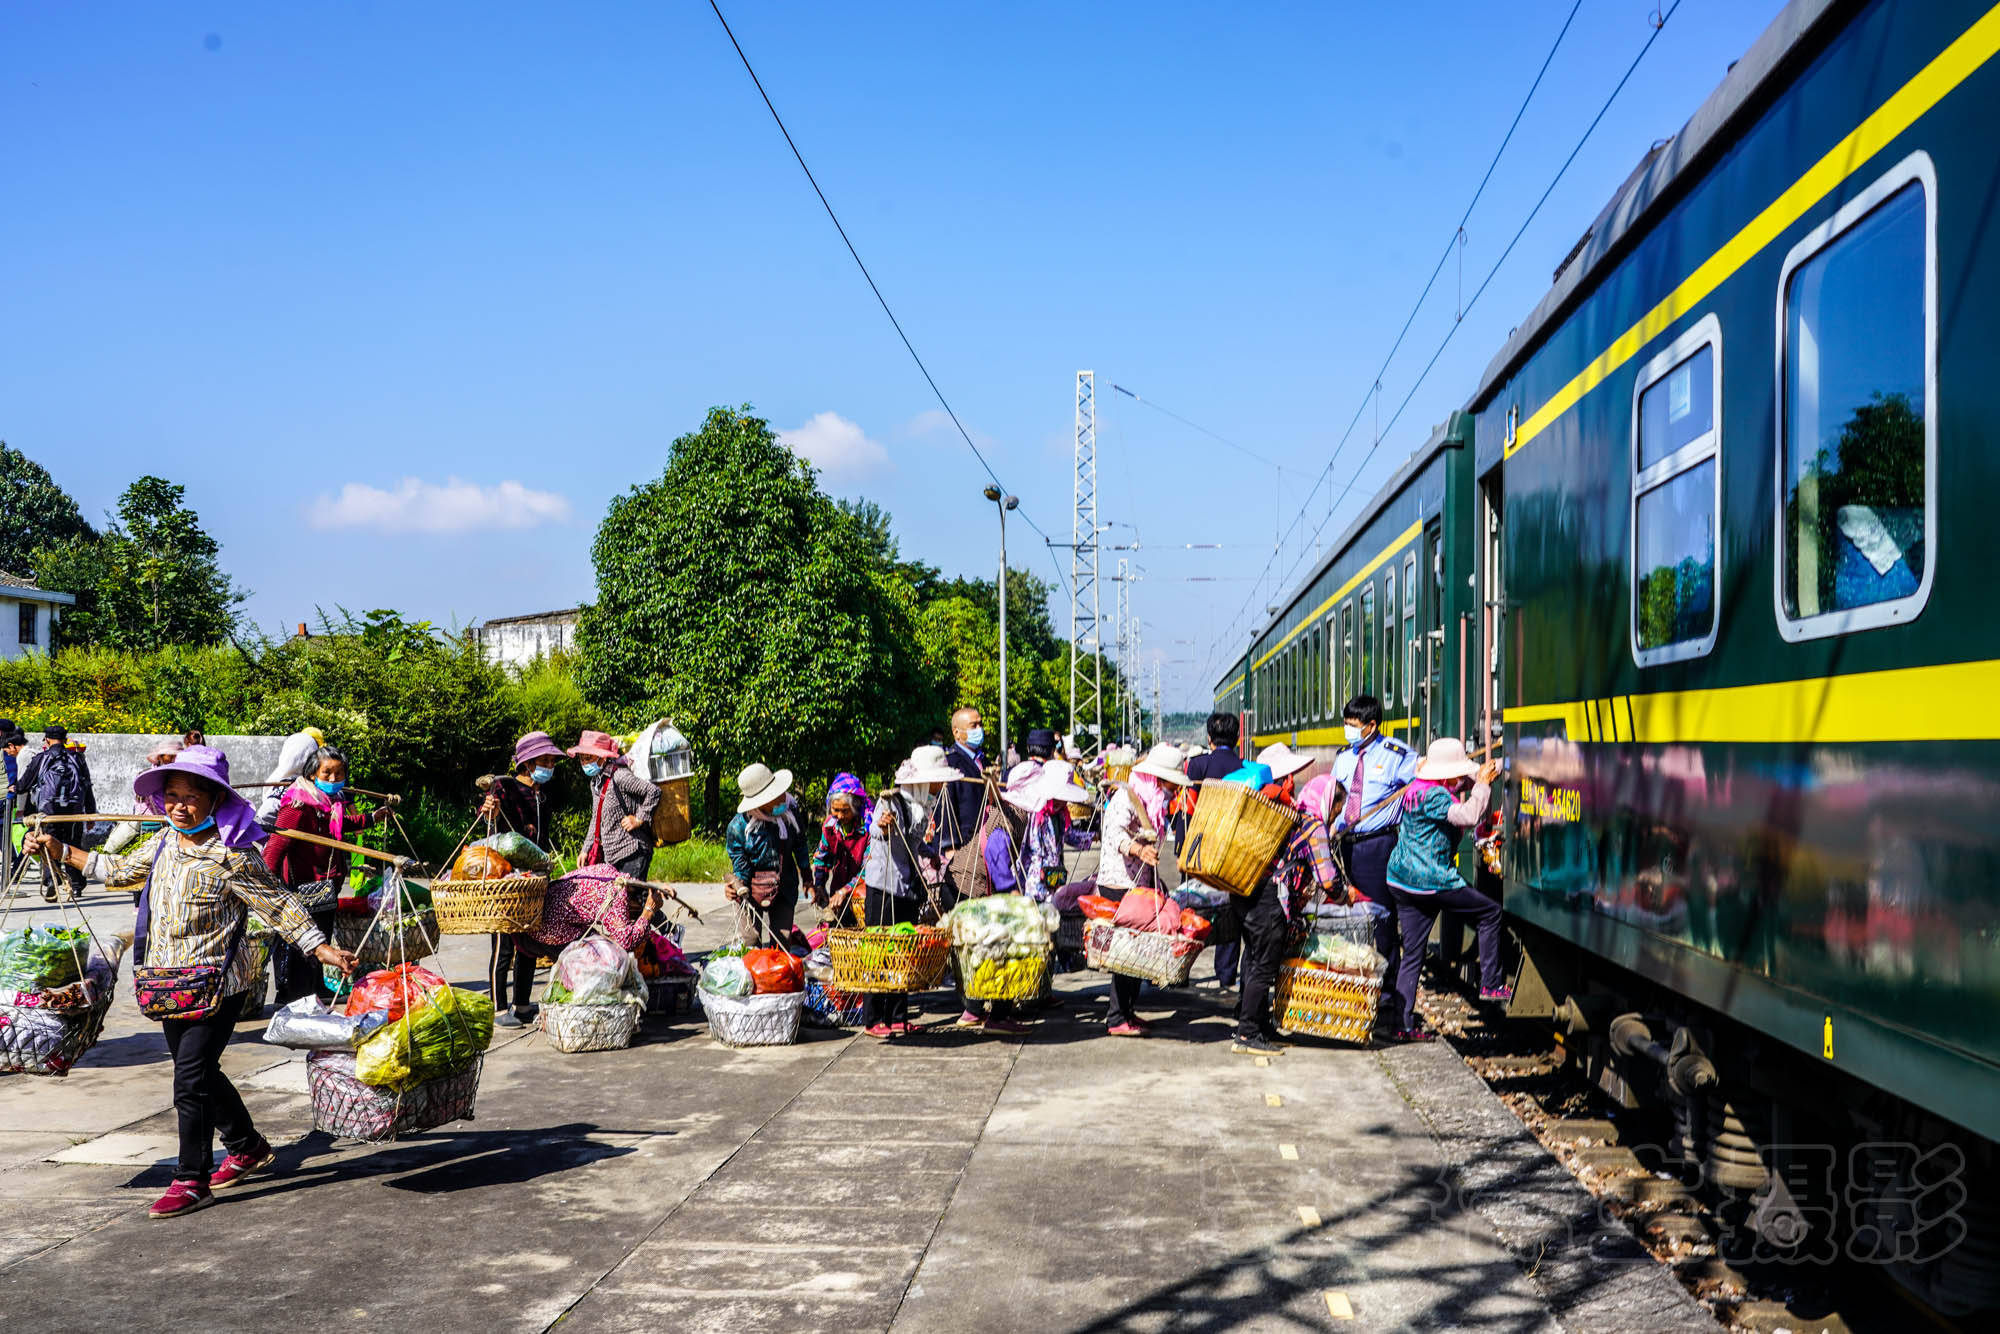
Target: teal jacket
{"points": [[754, 845], [1426, 855]]}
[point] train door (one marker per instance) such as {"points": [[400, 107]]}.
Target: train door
{"points": [[1426, 646], [1492, 614]]}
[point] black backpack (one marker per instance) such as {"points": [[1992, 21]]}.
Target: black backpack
{"points": [[58, 783]]}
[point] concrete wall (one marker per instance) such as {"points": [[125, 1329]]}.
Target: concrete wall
{"points": [[517, 641], [47, 616], [116, 759]]}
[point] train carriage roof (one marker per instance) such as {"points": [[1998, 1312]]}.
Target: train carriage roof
{"points": [[1651, 189]]}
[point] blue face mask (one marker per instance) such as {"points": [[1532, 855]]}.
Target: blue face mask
{"points": [[1353, 733], [201, 828], [543, 775], [592, 770], [976, 737], [332, 789]]}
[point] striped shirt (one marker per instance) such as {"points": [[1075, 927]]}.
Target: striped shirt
{"points": [[199, 897]]}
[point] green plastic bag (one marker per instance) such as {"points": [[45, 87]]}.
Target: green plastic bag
{"points": [[441, 1035], [37, 958]]}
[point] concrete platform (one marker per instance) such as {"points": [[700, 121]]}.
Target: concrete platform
{"points": [[949, 1184]]}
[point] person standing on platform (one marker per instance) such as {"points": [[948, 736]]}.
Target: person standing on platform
{"points": [[520, 802], [901, 868], [958, 816], [1367, 774], [1219, 761]]}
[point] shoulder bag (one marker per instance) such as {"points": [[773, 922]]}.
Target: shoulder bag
{"points": [[181, 991]]}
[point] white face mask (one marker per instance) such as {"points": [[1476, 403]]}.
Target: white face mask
{"points": [[1353, 733]]}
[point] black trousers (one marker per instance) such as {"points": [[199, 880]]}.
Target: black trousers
{"points": [[1124, 1000], [205, 1102], [1416, 914], [513, 958], [635, 866], [1261, 916], [1368, 864], [883, 909], [298, 974]]}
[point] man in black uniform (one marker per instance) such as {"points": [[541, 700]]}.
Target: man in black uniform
{"points": [[1224, 729]]}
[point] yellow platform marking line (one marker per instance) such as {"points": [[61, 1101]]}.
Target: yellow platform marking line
{"points": [[1337, 1304], [1289, 1152], [1273, 1100], [1308, 1216], [1907, 105], [1957, 701], [1360, 577]]}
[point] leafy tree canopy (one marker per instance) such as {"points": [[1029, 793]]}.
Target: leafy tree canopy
{"points": [[34, 511], [150, 581]]}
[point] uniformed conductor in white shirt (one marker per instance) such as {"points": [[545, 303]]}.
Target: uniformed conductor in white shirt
{"points": [[1365, 817]]}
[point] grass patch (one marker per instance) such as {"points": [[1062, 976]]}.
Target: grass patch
{"points": [[700, 859]]}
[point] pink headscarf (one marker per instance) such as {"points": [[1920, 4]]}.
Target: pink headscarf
{"points": [[1152, 794], [1316, 798], [304, 792]]}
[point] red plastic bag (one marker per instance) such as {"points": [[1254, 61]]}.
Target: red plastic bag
{"points": [[394, 989], [1193, 925], [775, 971], [1097, 907], [481, 864]]}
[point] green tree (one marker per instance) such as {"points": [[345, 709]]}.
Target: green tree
{"points": [[34, 512], [151, 580], [736, 598]]}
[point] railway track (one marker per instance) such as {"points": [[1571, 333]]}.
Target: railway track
{"points": [[1621, 1156]]}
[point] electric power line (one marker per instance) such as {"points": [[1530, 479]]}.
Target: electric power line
{"points": [[879, 298]]}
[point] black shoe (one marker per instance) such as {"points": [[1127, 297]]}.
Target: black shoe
{"points": [[527, 1014], [1257, 1046], [506, 1019]]}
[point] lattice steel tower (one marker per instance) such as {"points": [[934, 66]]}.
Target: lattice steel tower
{"points": [[1086, 648]]}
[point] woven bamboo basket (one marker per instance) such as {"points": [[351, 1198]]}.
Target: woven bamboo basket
{"points": [[1151, 956], [409, 937], [40, 1039], [1326, 1002], [489, 907], [1234, 837], [346, 1108], [1022, 979], [575, 1028], [875, 962], [672, 818], [768, 1020]]}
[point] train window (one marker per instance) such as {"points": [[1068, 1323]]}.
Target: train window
{"points": [[1347, 690], [1409, 657], [1368, 640], [1389, 638], [1857, 373], [1676, 497], [1316, 675]]}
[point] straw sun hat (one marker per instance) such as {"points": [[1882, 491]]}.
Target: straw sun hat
{"points": [[1445, 760], [761, 787], [1283, 760], [1164, 762]]}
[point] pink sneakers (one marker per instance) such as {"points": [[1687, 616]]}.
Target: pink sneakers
{"points": [[237, 1166], [183, 1197]]}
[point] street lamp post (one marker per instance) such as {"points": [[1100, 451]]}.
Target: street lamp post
{"points": [[1003, 503]]}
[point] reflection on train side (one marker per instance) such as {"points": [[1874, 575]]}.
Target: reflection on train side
{"points": [[1848, 870]]}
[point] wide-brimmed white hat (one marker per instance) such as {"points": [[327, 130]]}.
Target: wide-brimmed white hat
{"points": [[926, 765], [1445, 760], [760, 786], [1284, 761], [1030, 790], [1164, 762]]}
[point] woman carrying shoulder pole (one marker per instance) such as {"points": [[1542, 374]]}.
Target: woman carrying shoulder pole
{"points": [[520, 802], [201, 876], [621, 807], [316, 803], [900, 866]]}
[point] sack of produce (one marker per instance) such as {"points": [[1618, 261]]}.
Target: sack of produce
{"points": [[593, 971], [394, 990], [727, 976], [477, 863], [1194, 926], [443, 1034], [1200, 897], [309, 1024], [1148, 910], [518, 850], [1003, 945], [1097, 907], [35, 958], [1343, 954], [819, 964], [775, 972]]}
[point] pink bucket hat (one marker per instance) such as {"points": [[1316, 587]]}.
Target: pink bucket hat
{"points": [[599, 744]]}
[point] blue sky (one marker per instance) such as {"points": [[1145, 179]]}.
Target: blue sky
{"points": [[405, 294]]}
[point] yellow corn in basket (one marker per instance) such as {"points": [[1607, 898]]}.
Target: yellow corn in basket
{"points": [[1326, 1002], [488, 907], [1234, 837], [875, 962], [1014, 980]]}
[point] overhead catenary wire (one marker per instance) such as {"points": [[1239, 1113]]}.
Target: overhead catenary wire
{"points": [[1657, 26], [881, 300]]}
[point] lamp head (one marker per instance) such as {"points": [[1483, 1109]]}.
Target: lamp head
{"points": [[1013, 502], [992, 493]]}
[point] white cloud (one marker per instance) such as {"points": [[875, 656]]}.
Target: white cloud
{"points": [[930, 419], [835, 445], [454, 506]]}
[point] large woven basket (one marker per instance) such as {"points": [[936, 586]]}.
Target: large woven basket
{"points": [[1326, 1002], [489, 907], [574, 1028], [346, 1108], [1151, 956], [1234, 837], [398, 939], [886, 961], [769, 1020], [39, 1039], [1027, 981]]}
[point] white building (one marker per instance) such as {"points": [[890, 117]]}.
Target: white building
{"points": [[516, 641], [28, 616]]}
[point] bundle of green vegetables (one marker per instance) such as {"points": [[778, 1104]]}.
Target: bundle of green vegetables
{"points": [[1001, 927]]}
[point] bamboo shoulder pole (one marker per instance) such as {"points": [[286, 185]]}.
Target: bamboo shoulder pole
{"points": [[663, 890], [407, 865]]}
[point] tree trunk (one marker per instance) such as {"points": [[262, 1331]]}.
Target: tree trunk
{"points": [[712, 798]]}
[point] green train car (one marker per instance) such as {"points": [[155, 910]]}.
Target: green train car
{"points": [[1703, 556]]}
